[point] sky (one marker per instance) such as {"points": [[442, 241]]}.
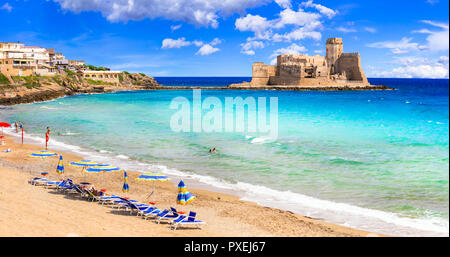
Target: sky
{"points": [[405, 39]]}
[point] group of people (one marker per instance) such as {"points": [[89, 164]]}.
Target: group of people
{"points": [[18, 125], [212, 151]]}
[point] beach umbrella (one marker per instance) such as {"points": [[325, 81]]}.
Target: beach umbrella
{"points": [[153, 177], [43, 154], [184, 196], [84, 164], [125, 187], [4, 125], [102, 168], [60, 167]]}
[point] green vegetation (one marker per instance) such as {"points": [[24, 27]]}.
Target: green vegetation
{"points": [[92, 67], [143, 74], [127, 73], [27, 81], [120, 77], [98, 82], [69, 72], [3, 79]]}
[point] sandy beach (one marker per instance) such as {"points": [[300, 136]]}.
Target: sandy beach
{"points": [[35, 211]]}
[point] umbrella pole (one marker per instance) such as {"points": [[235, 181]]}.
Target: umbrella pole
{"points": [[154, 182]]}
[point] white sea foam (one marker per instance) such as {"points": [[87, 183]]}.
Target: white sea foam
{"points": [[261, 140], [48, 108], [339, 213]]}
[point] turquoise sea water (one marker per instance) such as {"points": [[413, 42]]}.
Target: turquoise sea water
{"points": [[374, 160]]}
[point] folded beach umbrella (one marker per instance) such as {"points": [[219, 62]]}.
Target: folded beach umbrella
{"points": [[184, 196], [125, 187], [43, 154], [60, 167], [153, 177]]}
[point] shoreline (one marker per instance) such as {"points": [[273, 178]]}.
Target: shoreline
{"points": [[210, 206], [51, 93]]}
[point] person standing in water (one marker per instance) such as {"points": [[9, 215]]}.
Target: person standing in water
{"points": [[214, 150]]}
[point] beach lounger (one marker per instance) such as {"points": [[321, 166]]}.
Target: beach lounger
{"points": [[180, 221], [152, 214], [133, 206], [172, 214]]}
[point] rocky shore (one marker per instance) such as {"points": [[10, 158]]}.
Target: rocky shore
{"points": [[40, 88]]}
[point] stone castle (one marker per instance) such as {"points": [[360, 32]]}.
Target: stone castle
{"points": [[336, 69]]}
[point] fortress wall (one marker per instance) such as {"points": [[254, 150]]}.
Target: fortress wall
{"points": [[262, 73], [350, 63]]}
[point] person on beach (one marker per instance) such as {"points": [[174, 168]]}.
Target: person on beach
{"points": [[16, 126], [47, 137]]}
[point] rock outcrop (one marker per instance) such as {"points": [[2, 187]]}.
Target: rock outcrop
{"points": [[39, 88]]}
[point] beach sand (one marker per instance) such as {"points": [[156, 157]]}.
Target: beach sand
{"points": [[35, 211]]}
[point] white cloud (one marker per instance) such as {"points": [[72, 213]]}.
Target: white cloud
{"points": [[175, 43], [247, 48], [432, 2], [6, 7], [345, 30], [299, 18], [284, 3], [370, 29], [437, 40], [290, 25], [215, 41], [398, 47], [175, 27], [207, 49], [292, 49], [253, 23], [417, 67], [330, 13], [199, 12]]}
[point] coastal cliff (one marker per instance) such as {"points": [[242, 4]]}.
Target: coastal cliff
{"points": [[28, 89]]}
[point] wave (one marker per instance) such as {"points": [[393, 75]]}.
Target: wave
{"points": [[339, 213], [259, 140], [48, 108]]}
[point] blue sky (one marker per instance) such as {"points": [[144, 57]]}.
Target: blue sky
{"points": [[224, 37]]}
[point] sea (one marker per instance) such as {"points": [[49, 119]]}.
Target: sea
{"points": [[371, 160]]}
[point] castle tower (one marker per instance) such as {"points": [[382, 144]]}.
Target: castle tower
{"points": [[334, 49]]}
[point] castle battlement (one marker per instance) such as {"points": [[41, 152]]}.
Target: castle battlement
{"points": [[304, 70]]}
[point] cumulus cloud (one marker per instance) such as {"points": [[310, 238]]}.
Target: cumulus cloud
{"points": [[255, 24], [437, 40], [207, 49], [284, 3], [417, 67], [399, 47], [292, 49], [247, 48], [330, 13], [175, 43], [290, 25], [199, 12]]}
